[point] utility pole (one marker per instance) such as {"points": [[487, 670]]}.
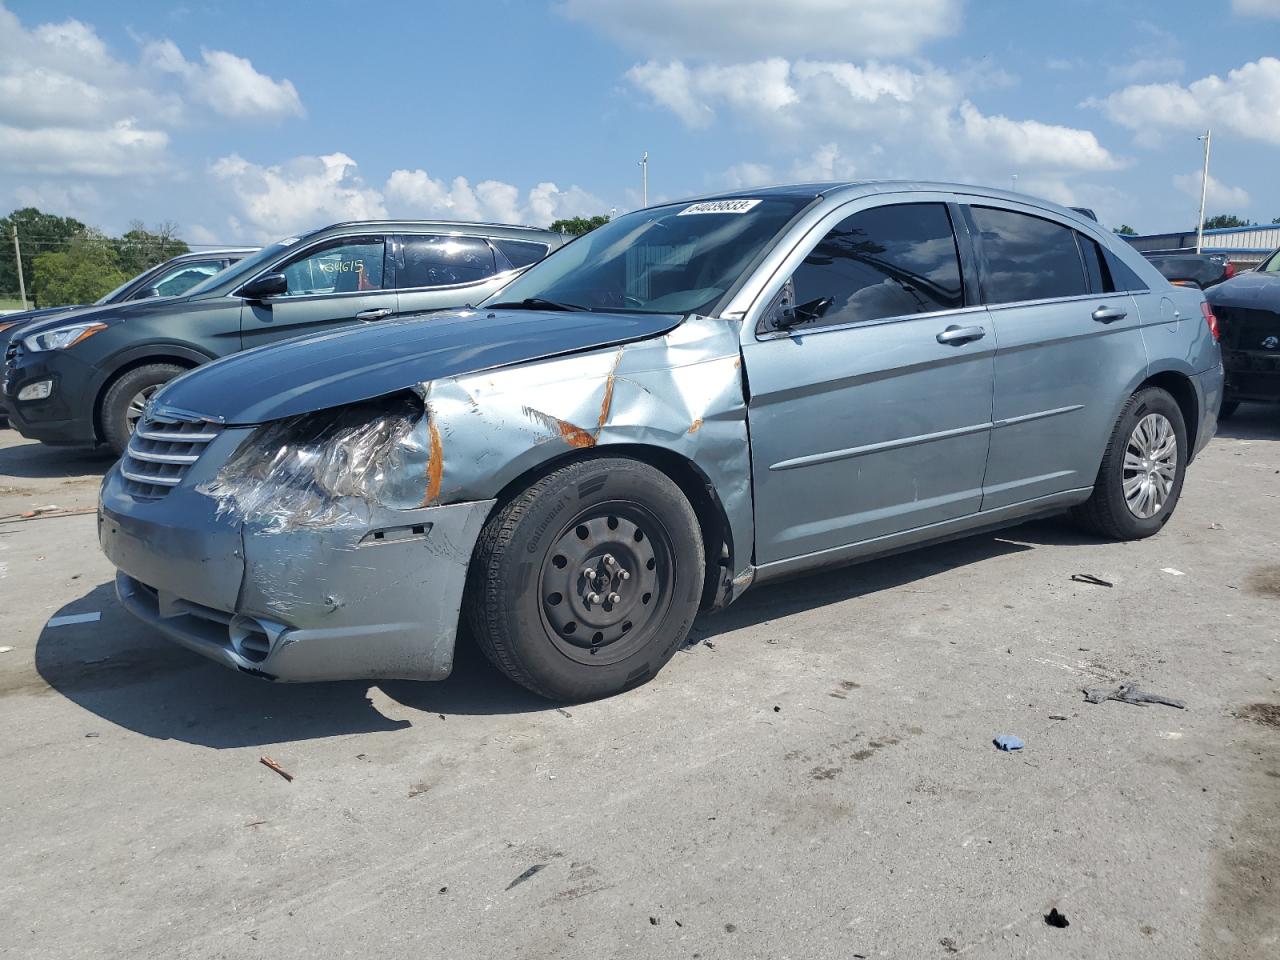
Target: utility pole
{"points": [[1204, 188], [1014, 187], [644, 178], [17, 253]]}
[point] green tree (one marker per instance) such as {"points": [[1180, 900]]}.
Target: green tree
{"points": [[82, 272], [1276, 220], [1225, 220], [38, 233], [577, 226], [1126, 231], [141, 249]]}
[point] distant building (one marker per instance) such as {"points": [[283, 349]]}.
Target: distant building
{"points": [[1244, 246]]}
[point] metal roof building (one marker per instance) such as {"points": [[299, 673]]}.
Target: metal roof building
{"points": [[1245, 246]]}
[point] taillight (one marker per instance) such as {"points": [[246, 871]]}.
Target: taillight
{"points": [[1210, 319], [1231, 270]]}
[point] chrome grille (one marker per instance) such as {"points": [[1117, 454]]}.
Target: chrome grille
{"points": [[161, 451]]}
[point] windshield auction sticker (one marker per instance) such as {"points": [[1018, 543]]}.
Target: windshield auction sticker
{"points": [[719, 206]]}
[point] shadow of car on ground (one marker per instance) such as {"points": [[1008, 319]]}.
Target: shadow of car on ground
{"points": [[124, 673]]}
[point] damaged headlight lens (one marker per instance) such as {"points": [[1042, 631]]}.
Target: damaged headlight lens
{"points": [[329, 468]]}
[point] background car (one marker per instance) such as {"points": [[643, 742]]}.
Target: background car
{"points": [[1203, 270], [578, 466], [84, 378], [1248, 311], [169, 279]]}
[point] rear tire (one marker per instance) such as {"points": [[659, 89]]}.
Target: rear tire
{"points": [[547, 599], [122, 403], [1228, 409], [1140, 479]]}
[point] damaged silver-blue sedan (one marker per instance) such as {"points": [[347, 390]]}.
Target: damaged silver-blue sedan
{"points": [[691, 399]]}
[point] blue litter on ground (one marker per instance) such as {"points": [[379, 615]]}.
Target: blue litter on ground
{"points": [[1007, 741]]}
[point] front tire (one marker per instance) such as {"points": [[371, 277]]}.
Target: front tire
{"points": [[586, 584], [123, 403], [1140, 479]]}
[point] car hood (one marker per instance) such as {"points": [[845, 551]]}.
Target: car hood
{"points": [[363, 362], [106, 312], [1258, 291]]}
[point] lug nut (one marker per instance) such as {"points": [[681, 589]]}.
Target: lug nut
{"points": [[614, 598], [593, 598], [589, 573], [609, 561], [624, 575]]}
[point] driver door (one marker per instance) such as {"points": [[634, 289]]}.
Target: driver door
{"points": [[335, 283], [870, 408]]}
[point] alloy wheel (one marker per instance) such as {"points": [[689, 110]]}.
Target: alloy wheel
{"points": [[1150, 465]]}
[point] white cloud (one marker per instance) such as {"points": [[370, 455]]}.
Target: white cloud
{"points": [[272, 201], [1217, 194], [226, 83], [810, 103], [304, 192], [69, 107], [754, 28], [1246, 103], [1256, 8], [1147, 68], [826, 163]]}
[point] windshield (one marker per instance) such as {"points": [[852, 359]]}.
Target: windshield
{"points": [[674, 259], [115, 294], [245, 268], [1271, 264]]}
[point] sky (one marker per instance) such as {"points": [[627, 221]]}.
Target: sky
{"points": [[246, 122]]}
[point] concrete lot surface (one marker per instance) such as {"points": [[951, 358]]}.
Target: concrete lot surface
{"points": [[815, 778]]}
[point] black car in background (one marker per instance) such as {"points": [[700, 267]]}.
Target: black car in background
{"points": [[1202, 269], [169, 279], [85, 377], [1248, 311]]}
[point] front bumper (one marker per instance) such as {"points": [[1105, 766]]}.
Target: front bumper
{"points": [[66, 417], [1253, 375], [330, 603]]}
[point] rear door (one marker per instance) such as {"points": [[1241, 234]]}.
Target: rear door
{"points": [[436, 271], [337, 282], [874, 418], [1068, 349]]}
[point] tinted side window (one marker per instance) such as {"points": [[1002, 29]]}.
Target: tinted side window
{"points": [[521, 253], [1121, 275], [346, 266], [1099, 281], [1027, 258], [884, 262], [444, 262]]}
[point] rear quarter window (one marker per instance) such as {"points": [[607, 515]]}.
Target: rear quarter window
{"points": [[521, 253]]}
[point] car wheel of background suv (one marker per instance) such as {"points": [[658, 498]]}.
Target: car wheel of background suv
{"points": [[585, 584], [123, 403], [1140, 479]]}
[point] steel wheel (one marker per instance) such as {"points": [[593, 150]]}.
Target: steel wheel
{"points": [[606, 583], [137, 406], [1150, 465]]}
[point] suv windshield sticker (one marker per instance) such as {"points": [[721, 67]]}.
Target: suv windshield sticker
{"points": [[719, 206]]}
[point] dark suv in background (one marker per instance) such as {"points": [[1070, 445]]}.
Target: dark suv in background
{"points": [[85, 377]]}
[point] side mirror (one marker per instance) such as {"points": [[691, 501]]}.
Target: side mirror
{"points": [[267, 285], [788, 317], [147, 293]]}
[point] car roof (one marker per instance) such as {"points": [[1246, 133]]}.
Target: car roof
{"points": [[218, 252], [849, 189], [513, 230]]}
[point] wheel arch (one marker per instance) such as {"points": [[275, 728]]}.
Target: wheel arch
{"points": [[713, 521], [1180, 387], [187, 359]]}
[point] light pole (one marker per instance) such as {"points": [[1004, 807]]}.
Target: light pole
{"points": [[644, 178], [1014, 188], [1204, 188]]}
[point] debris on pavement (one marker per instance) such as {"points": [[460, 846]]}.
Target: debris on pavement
{"points": [[1056, 716], [527, 874], [1007, 742], [1172, 571], [272, 765], [1129, 693], [39, 513], [1055, 919], [1090, 578], [70, 618], [565, 712], [5, 649]]}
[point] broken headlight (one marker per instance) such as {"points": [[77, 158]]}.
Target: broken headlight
{"points": [[328, 468]]}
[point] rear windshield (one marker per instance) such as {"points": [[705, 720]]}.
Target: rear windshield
{"points": [[680, 258]]}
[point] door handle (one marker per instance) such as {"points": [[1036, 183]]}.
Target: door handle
{"points": [[368, 315], [1109, 314], [955, 336]]}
